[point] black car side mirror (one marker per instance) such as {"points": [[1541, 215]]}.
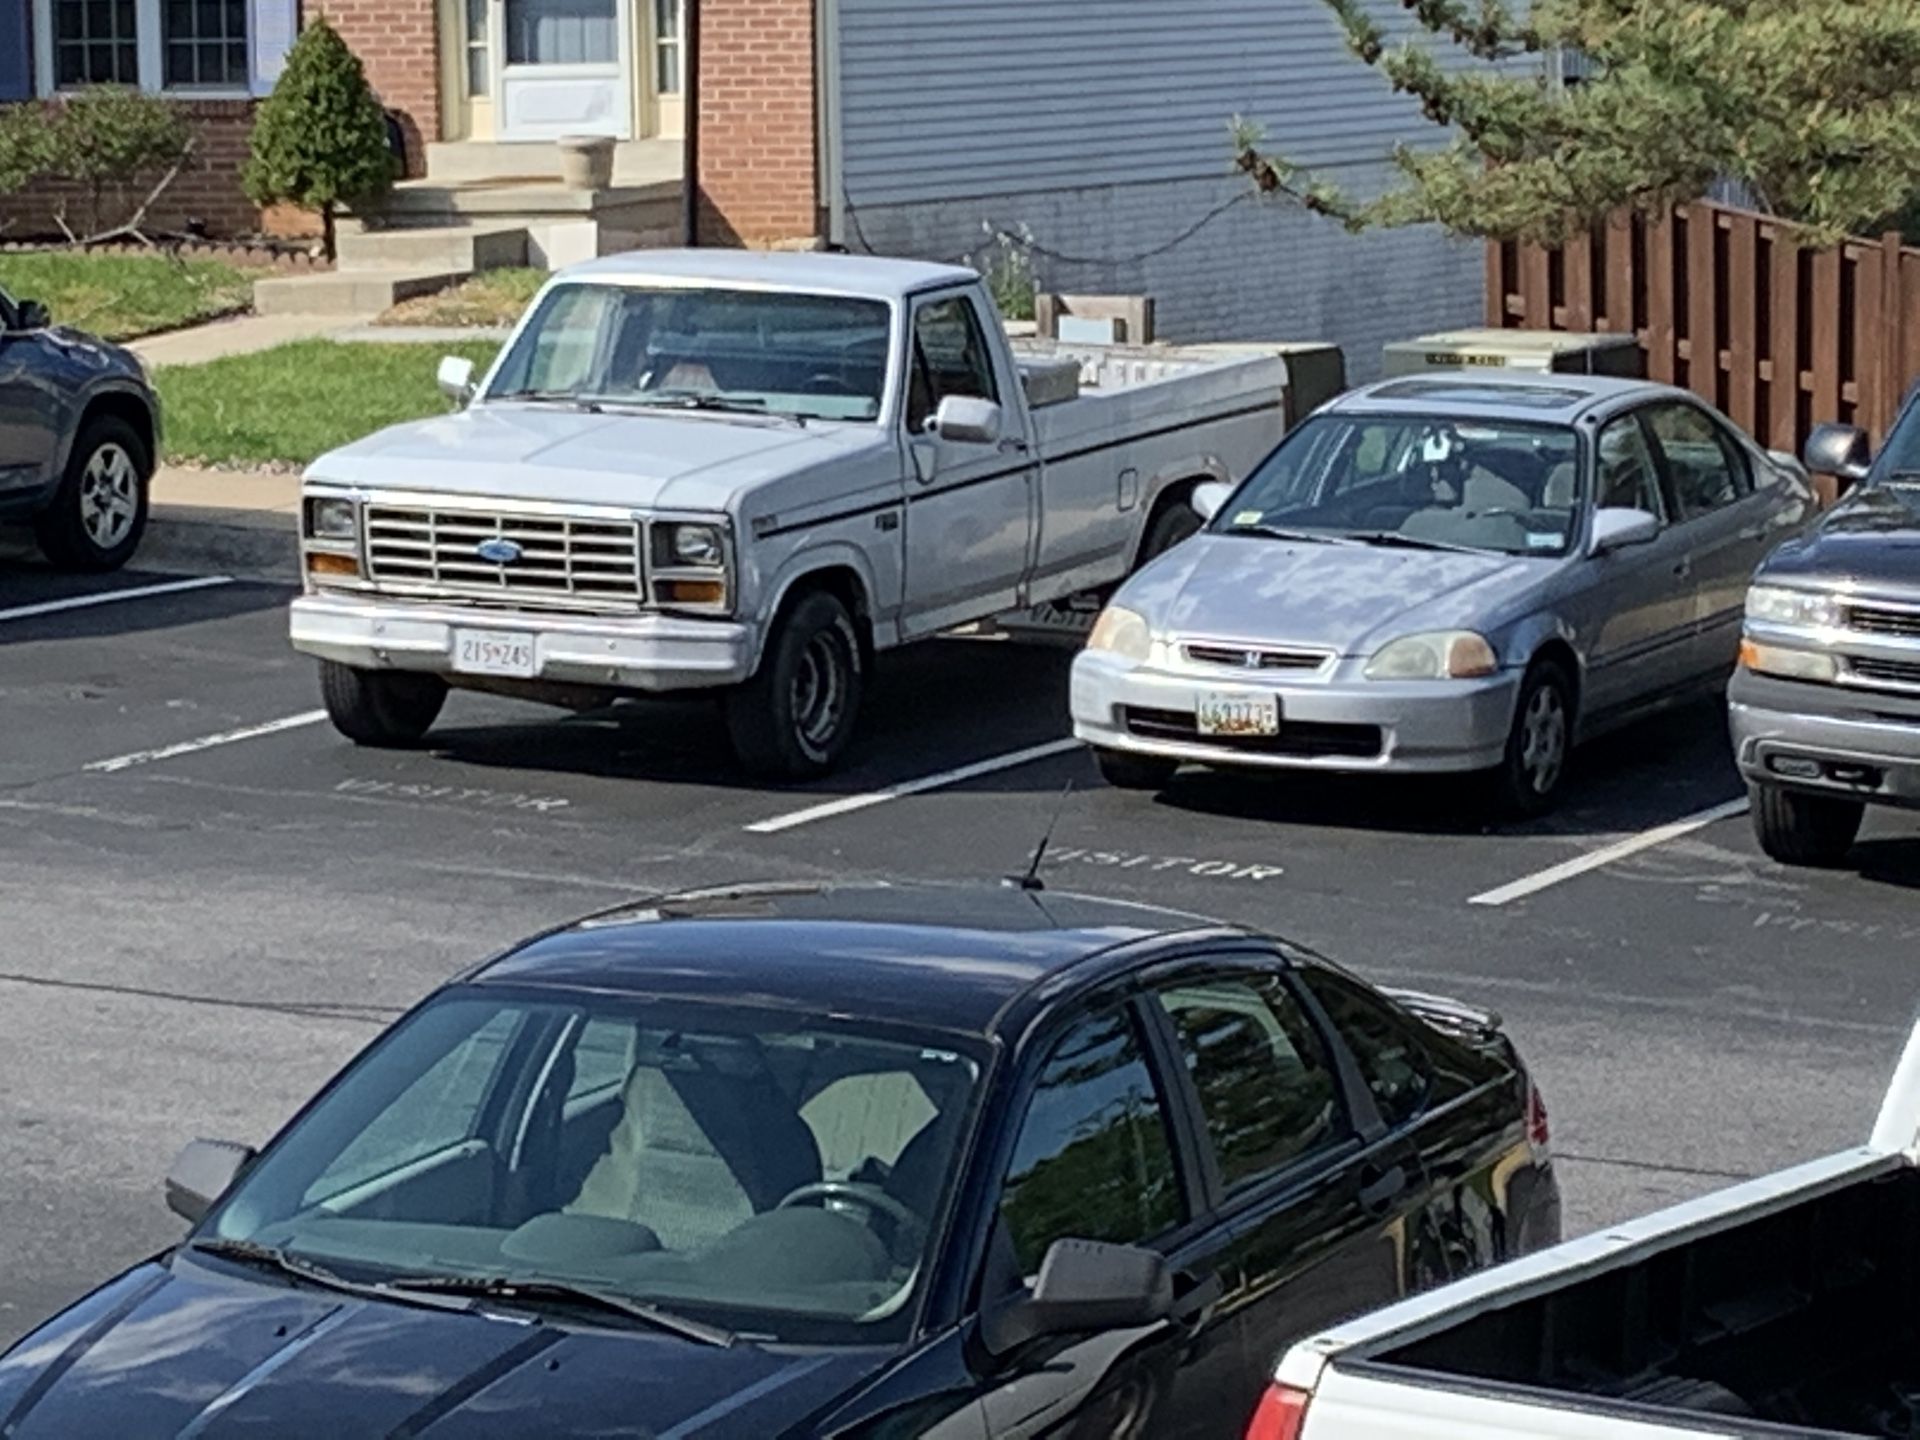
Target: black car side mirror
{"points": [[31, 315], [204, 1172], [1084, 1286], [1841, 450]]}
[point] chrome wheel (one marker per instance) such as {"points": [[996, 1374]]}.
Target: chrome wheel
{"points": [[1543, 742], [820, 691], [109, 496]]}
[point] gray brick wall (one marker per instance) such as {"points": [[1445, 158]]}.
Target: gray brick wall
{"points": [[1260, 271]]}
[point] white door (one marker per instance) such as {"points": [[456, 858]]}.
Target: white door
{"points": [[566, 69], [969, 506], [667, 94]]}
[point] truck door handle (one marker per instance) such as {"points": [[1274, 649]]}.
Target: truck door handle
{"points": [[1683, 569], [1380, 1188], [1013, 447]]}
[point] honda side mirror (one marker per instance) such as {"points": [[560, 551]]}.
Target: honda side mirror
{"points": [[1618, 528], [967, 421], [204, 1172], [1840, 450], [1208, 498], [456, 379], [1084, 1286]]}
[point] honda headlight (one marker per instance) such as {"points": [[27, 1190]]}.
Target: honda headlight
{"points": [[1121, 632], [1438, 655], [1781, 605], [331, 520]]}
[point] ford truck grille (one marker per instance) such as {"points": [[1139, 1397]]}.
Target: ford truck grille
{"points": [[550, 560]]}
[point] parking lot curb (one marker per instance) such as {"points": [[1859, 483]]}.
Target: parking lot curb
{"points": [[206, 539]]}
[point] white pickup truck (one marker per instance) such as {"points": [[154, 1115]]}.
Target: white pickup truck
{"points": [[1785, 1306], [748, 473]]}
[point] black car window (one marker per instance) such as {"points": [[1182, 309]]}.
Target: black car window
{"points": [[1268, 1093], [1707, 470], [1395, 1065], [1093, 1160]]}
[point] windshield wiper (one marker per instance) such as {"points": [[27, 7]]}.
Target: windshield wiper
{"points": [[1394, 539], [707, 400], [252, 1252], [570, 398], [1276, 532], [538, 1292]]}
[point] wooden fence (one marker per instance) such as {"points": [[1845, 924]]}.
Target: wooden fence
{"points": [[1729, 305]]}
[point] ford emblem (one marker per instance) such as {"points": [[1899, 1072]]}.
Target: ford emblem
{"points": [[498, 551]]}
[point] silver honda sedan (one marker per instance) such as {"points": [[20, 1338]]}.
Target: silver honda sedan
{"points": [[1443, 575]]}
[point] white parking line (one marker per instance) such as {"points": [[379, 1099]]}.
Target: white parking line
{"points": [[1608, 854], [208, 742], [109, 597], [945, 778]]}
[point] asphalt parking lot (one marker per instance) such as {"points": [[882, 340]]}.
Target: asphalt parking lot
{"points": [[211, 901]]}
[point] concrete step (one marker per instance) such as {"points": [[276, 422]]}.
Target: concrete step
{"points": [[635, 162], [429, 204], [353, 292], [466, 248]]}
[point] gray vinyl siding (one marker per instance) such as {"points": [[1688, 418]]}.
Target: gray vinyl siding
{"points": [[939, 100]]}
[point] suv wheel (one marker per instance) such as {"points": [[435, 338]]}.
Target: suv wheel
{"points": [[98, 513], [1800, 829], [384, 709], [793, 719]]}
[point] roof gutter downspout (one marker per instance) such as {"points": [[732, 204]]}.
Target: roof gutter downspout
{"points": [[690, 144]]}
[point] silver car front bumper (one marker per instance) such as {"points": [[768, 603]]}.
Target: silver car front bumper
{"points": [[1353, 726], [628, 652]]}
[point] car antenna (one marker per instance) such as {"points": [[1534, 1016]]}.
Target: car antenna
{"points": [[1031, 880]]}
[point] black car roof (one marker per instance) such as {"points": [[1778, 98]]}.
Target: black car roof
{"points": [[947, 957]]}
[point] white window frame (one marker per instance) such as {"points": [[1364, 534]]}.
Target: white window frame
{"points": [[147, 32]]}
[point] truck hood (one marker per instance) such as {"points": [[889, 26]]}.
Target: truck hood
{"points": [[185, 1351], [1871, 539], [1331, 596], [677, 461]]}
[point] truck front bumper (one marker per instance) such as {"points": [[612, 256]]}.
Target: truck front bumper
{"points": [[627, 652], [1826, 739], [1420, 726]]}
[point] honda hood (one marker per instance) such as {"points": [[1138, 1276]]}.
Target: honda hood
{"points": [[189, 1352], [1340, 597], [677, 460]]}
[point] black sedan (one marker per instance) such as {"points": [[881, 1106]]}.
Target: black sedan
{"points": [[869, 1162]]}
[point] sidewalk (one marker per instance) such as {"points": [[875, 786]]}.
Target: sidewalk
{"points": [[228, 522], [241, 335]]}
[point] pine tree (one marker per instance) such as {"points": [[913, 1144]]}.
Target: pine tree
{"points": [[1809, 104], [320, 139]]}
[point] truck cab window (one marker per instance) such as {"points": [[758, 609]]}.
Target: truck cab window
{"points": [[1094, 1160], [950, 357]]}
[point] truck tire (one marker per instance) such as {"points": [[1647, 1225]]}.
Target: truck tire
{"points": [[384, 709], [1539, 744], [1800, 829], [1173, 521], [99, 511], [794, 718], [1124, 771]]}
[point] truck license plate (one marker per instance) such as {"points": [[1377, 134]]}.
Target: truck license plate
{"points": [[493, 652], [1236, 713]]}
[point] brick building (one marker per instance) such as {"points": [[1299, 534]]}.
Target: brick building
{"points": [[899, 126]]}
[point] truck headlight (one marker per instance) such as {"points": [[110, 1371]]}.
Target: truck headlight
{"points": [[1122, 632], [1782, 605], [693, 547], [1789, 664], [1437, 655], [331, 520]]}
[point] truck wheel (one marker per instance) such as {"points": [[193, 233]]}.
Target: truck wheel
{"points": [[1799, 829], [1173, 522], [1134, 772], [385, 709], [1539, 744], [99, 511], [793, 719]]}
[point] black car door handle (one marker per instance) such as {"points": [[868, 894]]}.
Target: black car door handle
{"points": [[1380, 1188]]}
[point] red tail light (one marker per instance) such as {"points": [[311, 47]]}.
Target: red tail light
{"points": [[1282, 1414], [1539, 1133]]}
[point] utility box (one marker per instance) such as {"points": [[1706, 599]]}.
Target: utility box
{"points": [[1523, 352]]}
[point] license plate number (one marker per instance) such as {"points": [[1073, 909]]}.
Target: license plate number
{"points": [[493, 652], [1235, 713]]}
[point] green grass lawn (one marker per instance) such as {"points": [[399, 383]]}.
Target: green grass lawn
{"points": [[493, 297], [124, 296], [287, 405]]}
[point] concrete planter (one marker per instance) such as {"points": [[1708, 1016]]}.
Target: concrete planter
{"points": [[586, 162]]}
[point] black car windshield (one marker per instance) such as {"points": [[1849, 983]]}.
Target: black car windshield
{"points": [[819, 357], [1418, 480], [756, 1171]]}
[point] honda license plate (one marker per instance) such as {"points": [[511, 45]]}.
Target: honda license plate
{"points": [[1237, 713], [493, 652]]}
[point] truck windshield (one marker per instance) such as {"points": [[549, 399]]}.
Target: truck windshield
{"points": [[1418, 480], [1898, 468], [750, 1170], [815, 356]]}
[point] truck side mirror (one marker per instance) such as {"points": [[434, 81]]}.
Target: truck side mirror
{"points": [[1840, 450], [456, 378], [1084, 1286], [204, 1172], [1208, 498], [966, 420], [31, 315]]}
